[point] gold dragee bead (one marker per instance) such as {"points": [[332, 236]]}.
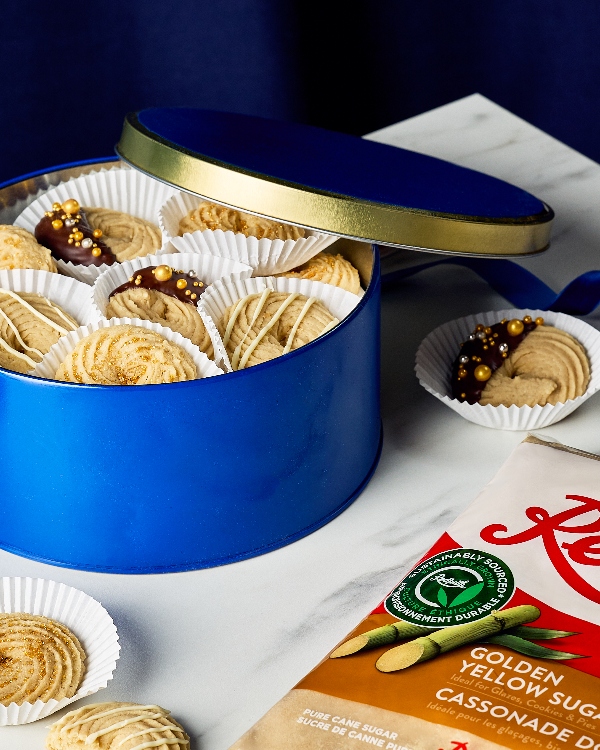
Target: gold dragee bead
{"points": [[48, 213], [482, 373], [527, 319], [486, 347], [131, 279], [70, 206], [194, 296], [96, 252], [70, 240], [77, 236], [200, 283], [503, 320], [463, 395], [163, 273], [97, 233], [187, 291], [479, 327], [539, 321], [181, 284], [56, 206], [78, 244], [57, 224], [195, 283], [515, 327], [488, 330]]}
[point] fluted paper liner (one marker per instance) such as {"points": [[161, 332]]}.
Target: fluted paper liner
{"points": [[226, 292], [208, 268], [265, 256], [84, 616], [58, 353], [71, 295], [121, 189], [437, 353]]}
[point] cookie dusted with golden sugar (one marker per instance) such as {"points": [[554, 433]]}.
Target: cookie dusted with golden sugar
{"points": [[263, 326], [163, 295], [40, 659], [29, 326], [20, 249], [328, 269], [126, 355], [127, 236], [212, 216], [108, 726]]}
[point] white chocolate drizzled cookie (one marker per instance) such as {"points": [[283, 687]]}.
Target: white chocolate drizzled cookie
{"points": [[263, 326], [153, 305], [126, 355], [127, 236], [117, 726], [29, 325], [20, 249], [328, 269], [212, 216], [40, 659]]}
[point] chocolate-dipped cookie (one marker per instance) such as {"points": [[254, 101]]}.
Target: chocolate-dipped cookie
{"points": [[484, 352], [66, 232], [185, 287]]}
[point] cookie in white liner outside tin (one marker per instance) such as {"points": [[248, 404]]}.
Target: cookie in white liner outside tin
{"points": [[439, 350], [47, 368], [86, 619], [119, 189], [226, 292], [265, 256]]}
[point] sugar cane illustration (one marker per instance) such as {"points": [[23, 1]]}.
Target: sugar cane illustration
{"points": [[439, 642], [383, 636]]}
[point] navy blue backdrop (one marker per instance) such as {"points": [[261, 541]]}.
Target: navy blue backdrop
{"points": [[71, 71]]}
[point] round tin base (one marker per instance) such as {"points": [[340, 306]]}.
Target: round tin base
{"points": [[212, 563]]}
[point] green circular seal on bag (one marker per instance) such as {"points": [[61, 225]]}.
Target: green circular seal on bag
{"points": [[450, 588]]}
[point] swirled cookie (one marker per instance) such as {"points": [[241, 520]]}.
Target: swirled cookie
{"points": [[29, 325], [126, 355], [127, 236], [521, 363], [263, 326], [166, 296], [212, 216], [108, 726], [329, 269], [149, 304], [40, 659], [20, 249]]}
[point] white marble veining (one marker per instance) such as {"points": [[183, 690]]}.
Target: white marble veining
{"points": [[219, 647]]}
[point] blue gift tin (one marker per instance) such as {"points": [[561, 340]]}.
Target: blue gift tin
{"points": [[201, 473]]}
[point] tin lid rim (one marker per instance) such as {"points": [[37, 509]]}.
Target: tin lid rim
{"points": [[323, 211]]}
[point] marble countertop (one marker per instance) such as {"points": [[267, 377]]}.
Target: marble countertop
{"points": [[219, 647]]}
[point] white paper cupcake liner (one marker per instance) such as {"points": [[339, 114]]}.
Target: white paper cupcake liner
{"points": [[121, 189], [226, 292], [58, 353], [84, 616], [439, 349], [208, 268], [71, 295], [266, 257]]}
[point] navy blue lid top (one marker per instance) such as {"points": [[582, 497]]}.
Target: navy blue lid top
{"points": [[338, 164]]}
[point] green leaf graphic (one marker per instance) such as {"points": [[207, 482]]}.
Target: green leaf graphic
{"points": [[442, 597], [521, 646], [539, 634], [467, 594]]}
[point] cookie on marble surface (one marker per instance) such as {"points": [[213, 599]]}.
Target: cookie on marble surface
{"points": [[40, 659], [108, 726]]}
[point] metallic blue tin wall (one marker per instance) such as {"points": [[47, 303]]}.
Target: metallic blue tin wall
{"points": [[190, 475]]}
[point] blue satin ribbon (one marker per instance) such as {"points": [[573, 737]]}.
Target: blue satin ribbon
{"points": [[519, 286]]}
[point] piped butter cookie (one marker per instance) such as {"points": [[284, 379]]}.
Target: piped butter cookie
{"points": [[20, 249], [129, 726], [520, 362], [328, 269], [212, 216]]}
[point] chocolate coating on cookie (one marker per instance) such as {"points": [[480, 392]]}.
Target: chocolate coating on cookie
{"points": [[66, 232], [484, 352], [185, 287]]}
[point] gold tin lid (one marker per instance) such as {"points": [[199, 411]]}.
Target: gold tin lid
{"points": [[335, 183]]}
